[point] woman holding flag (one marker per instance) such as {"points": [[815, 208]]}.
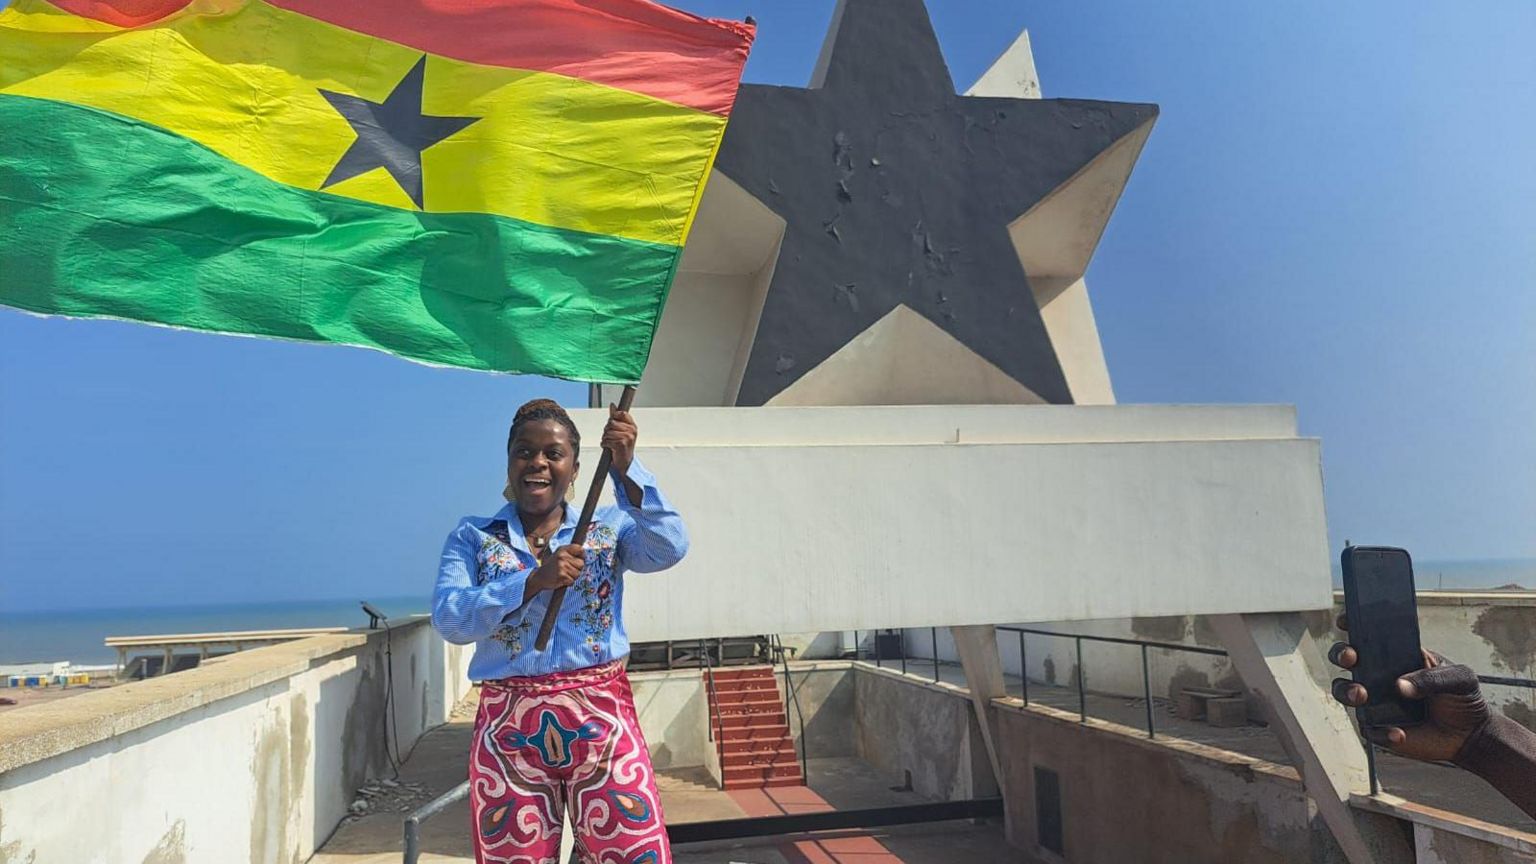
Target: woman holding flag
{"points": [[557, 728]]}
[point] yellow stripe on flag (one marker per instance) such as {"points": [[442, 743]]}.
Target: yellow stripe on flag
{"points": [[245, 81]]}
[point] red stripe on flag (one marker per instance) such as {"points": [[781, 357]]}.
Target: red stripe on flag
{"points": [[123, 13], [634, 45]]}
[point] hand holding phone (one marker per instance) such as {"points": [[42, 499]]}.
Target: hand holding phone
{"points": [[1383, 615]]}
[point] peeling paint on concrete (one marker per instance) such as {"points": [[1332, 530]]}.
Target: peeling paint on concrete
{"points": [[172, 848], [10, 853], [1511, 630]]}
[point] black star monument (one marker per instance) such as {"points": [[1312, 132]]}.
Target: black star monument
{"points": [[391, 134], [896, 191]]}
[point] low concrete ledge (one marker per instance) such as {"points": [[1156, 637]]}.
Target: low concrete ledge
{"points": [[39, 732], [1442, 820], [1466, 598], [1224, 758]]}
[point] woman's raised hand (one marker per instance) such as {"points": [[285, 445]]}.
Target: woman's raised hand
{"points": [[619, 438]]}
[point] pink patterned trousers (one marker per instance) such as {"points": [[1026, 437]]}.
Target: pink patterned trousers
{"points": [[565, 740]]}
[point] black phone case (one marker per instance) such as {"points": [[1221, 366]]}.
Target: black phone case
{"points": [[1393, 709]]}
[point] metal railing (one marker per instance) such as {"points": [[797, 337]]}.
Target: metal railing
{"points": [[718, 727], [791, 693], [1082, 690]]}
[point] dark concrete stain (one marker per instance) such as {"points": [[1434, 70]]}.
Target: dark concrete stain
{"points": [[1169, 629], [299, 736], [885, 176], [1511, 630], [1049, 666], [1203, 633], [1521, 713], [1465, 850], [272, 802], [172, 848], [1186, 676], [362, 746]]}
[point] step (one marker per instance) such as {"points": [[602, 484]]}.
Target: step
{"points": [[742, 673], [762, 784], [765, 744], [782, 756], [756, 682], [748, 706], [757, 732], [725, 694], [757, 777], [737, 721]]}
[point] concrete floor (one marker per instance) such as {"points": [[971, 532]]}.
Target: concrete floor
{"points": [[438, 763]]}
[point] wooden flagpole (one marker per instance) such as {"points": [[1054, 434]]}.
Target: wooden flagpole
{"points": [[552, 615]]}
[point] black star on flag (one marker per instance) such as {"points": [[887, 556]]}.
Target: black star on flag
{"points": [[391, 134]]}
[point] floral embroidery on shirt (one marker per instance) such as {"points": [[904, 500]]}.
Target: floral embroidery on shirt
{"points": [[595, 616], [511, 635], [497, 559]]}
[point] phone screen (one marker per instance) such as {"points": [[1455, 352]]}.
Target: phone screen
{"points": [[1384, 630]]}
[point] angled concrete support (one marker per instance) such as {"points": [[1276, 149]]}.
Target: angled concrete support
{"points": [[1277, 658], [983, 666]]}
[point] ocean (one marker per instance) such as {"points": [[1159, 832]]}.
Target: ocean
{"points": [[76, 635]]}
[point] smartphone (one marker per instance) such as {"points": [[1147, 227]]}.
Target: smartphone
{"points": [[1384, 630]]}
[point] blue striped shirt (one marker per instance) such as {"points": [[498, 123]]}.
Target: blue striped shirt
{"points": [[487, 562]]}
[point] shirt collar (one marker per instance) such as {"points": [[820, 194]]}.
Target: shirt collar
{"points": [[508, 514]]}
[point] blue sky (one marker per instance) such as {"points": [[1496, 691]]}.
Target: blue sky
{"points": [[1337, 209]]}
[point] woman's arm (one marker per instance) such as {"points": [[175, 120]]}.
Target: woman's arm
{"points": [[462, 611], [652, 536]]}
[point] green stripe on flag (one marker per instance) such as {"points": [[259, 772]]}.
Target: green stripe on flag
{"points": [[104, 216]]}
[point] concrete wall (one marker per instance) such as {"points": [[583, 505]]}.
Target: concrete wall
{"points": [[1133, 510], [822, 709], [252, 757], [926, 731], [674, 716], [1171, 802]]}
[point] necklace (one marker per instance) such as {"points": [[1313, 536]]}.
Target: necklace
{"points": [[536, 540]]}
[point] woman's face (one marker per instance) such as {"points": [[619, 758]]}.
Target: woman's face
{"points": [[540, 466]]}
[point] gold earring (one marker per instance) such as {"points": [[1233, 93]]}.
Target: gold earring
{"points": [[507, 493]]}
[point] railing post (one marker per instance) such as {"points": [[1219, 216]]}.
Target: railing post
{"points": [[903, 641], [934, 632], [855, 646], [1082, 695], [1023, 668], [878, 657], [1146, 686], [1370, 766]]}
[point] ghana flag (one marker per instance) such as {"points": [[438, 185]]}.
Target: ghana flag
{"points": [[491, 184]]}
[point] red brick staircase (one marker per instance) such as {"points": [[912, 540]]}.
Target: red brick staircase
{"points": [[751, 731]]}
